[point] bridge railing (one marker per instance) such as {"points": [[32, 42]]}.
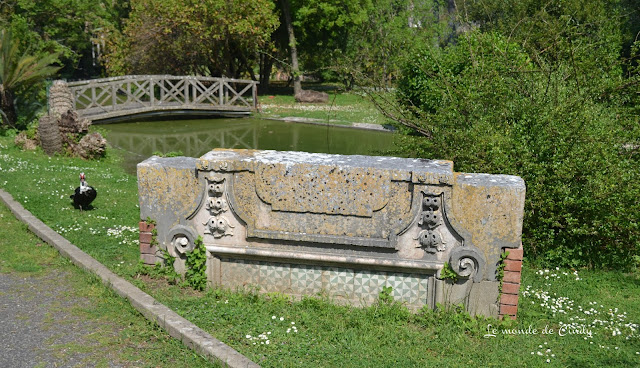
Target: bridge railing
{"points": [[139, 93]]}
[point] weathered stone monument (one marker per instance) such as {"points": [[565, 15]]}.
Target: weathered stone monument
{"points": [[346, 226]]}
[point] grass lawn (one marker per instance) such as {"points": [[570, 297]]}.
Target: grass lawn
{"points": [[342, 108], [575, 318]]}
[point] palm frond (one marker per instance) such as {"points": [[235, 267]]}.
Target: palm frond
{"points": [[25, 69], [19, 72]]}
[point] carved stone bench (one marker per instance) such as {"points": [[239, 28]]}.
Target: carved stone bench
{"points": [[344, 226]]}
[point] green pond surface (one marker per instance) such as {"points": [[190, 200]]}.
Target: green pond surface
{"points": [[194, 138]]}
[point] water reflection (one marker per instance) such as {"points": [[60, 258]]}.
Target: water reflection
{"points": [[196, 137]]}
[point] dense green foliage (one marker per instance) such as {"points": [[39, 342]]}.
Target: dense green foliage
{"points": [[378, 47], [68, 33], [75, 29], [550, 103], [364, 41], [212, 37]]}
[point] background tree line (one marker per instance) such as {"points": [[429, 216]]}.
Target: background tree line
{"points": [[216, 37], [548, 90], [239, 39]]}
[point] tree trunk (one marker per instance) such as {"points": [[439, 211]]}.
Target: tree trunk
{"points": [[295, 69], [49, 133], [266, 62], [9, 116]]}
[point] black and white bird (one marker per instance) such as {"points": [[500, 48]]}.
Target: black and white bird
{"points": [[84, 194]]}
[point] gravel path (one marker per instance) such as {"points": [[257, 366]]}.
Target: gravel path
{"points": [[38, 327]]}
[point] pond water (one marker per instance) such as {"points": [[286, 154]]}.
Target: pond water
{"points": [[193, 138]]}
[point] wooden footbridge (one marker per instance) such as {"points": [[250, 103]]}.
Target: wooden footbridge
{"points": [[120, 98]]}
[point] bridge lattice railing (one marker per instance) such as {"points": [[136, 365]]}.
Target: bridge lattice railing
{"points": [[148, 92]]}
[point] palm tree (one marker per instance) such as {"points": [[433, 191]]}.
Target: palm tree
{"points": [[19, 72]]}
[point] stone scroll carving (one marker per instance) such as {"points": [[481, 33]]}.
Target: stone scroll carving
{"points": [[181, 239], [467, 262]]}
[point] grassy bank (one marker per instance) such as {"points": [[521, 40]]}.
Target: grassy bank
{"points": [[582, 318], [343, 107]]}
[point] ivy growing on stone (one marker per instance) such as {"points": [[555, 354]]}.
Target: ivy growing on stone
{"points": [[196, 264]]}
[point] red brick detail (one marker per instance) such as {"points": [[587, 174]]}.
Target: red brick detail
{"points": [[509, 288], [515, 254], [511, 276], [145, 227], [146, 248], [511, 283], [510, 265], [145, 237], [509, 299], [511, 310]]}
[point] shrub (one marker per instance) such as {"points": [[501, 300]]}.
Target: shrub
{"points": [[488, 108]]}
